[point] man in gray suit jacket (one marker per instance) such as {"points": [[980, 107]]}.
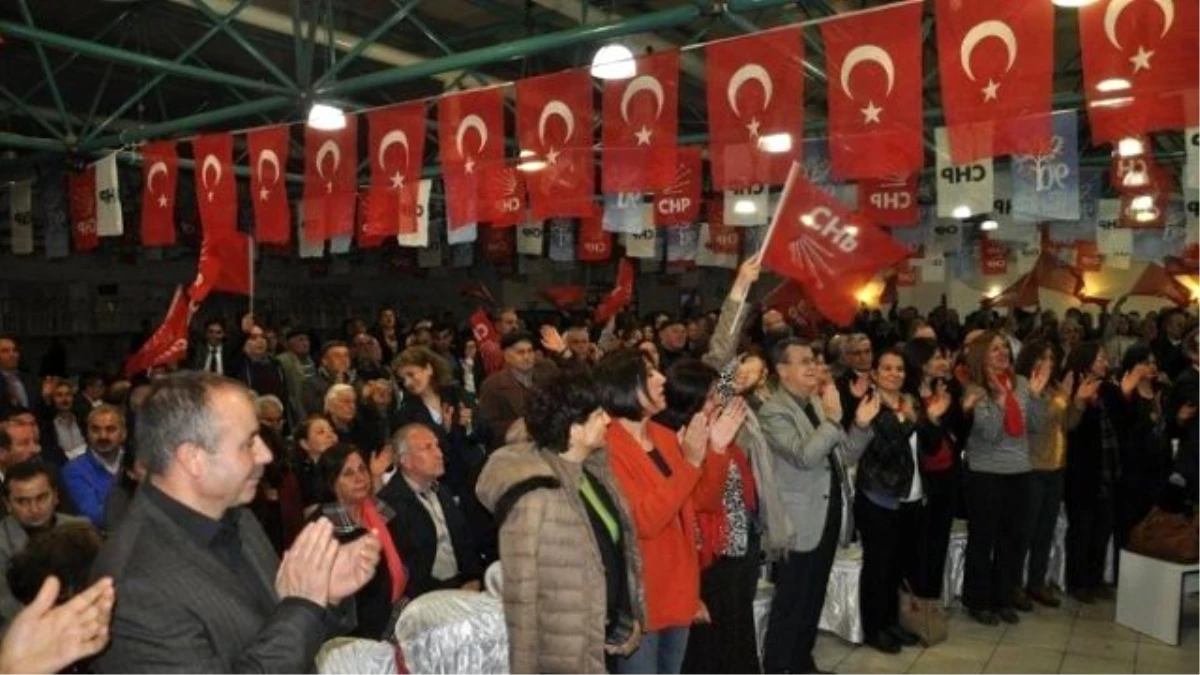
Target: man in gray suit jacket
{"points": [[802, 426], [200, 586]]}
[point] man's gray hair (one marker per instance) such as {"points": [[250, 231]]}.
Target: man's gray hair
{"points": [[336, 391], [262, 402], [400, 445], [179, 410], [106, 409]]}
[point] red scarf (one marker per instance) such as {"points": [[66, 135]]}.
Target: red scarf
{"points": [[374, 522], [1014, 421]]}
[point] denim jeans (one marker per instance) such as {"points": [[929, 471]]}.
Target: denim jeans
{"points": [[661, 651]]}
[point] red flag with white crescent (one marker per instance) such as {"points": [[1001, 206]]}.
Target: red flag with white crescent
{"points": [[755, 90], [330, 181], [641, 126], [396, 146], [216, 186], [554, 115], [268, 186], [160, 174], [471, 143], [875, 106]]}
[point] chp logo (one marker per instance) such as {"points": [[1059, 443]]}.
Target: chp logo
{"points": [[816, 253]]}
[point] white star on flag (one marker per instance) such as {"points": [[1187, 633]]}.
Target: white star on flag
{"points": [[643, 136], [752, 127], [552, 156], [329, 186], [470, 166], [162, 201], [264, 194], [210, 195], [989, 92], [1141, 60], [871, 113], [397, 181]]}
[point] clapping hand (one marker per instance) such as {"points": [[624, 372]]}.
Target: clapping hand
{"points": [[43, 638], [831, 403], [972, 398], [1134, 377], [860, 386], [726, 425], [694, 439], [353, 566], [1040, 378], [1088, 389], [305, 568], [867, 409], [938, 404]]}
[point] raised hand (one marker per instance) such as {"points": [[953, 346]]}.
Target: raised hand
{"points": [[353, 566], [831, 403], [867, 409], [1088, 389], [725, 427], [746, 276], [1067, 385], [860, 386], [1131, 379], [972, 397], [552, 340], [939, 403], [694, 439], [305, 568], [1040, 378], [43, 638]]}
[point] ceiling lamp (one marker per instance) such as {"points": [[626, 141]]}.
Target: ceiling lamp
{"points": [[781, 142], [326, 117], [961, 212], [1073, 3], [1142, 203], [989, 225], [1113, 84], [744, 207], [1145, 216], [1130, 146], [613, 62]]}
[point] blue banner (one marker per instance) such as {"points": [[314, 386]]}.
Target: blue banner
{"points": [[683, 243], [626, 213], [562, 239], [1046, 186]]}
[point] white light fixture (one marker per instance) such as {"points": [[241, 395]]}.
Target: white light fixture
{"points": [[1073, 3], [1142, 203], [613, 62], [326, 117], [744, 207], [781, 142], [532, 165], [526, 154], [1113, 84], [994, 292], [989, 225], [1130, 146], [1112, 102], [961, 212], [1145, 216], [1135, 179]]}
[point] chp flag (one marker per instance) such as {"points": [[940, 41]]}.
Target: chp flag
{"points": [[830, 251], [679, 203]]}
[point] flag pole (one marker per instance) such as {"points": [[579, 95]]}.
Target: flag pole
{"points": [[793, 175], [250, 259]]}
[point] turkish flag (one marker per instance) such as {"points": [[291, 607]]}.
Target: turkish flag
{"points": [[563, 297], [755, 89], [595, 244], [499, 245], [216, 186], [168, 343], [1155, 281], [81, 188], [268, 188], [619, 297], [875, 80], [996, 62], [503, 198], [890, 201], [1151, 48], [471, 142], [816, 241], [554, 122], [370, 226], [488, 341], [640, 126], [330, 181], [1022, 293], [396, 146], [994, 257], [226, 264], [679, 203], [160, 174]]}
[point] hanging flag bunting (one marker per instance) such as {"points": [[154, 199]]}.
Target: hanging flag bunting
{"points": [[1149, 48], [372, 224], [719, 246], [747, 207], [1045, 186], [431, 255], [1013, 228], [619, 297], [168, 344], [933, 267], [1088, 257], [1116, 245], [755, 107], [627, 213], [644, 245], [81, 190], [963, 190], [993, 257], [109, 219], [216, 187], [330, 180], [562, 239], [683, 243], [340, 244], [504, 197], [874, 84], [1156, 282], [471, 143], [890, 201], [20, 213], [832, 252], [268, 149], [640, 126], [554, 125], [530, 238], [679, 204], [564, 297], [499, 245], [396, 146], [419, 238], [307, 247], [595, 245], [160, 174], [53, 204], [464, 234], [996, 63]]}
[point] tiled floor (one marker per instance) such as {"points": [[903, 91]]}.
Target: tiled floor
{"points": [[1072, 639]]}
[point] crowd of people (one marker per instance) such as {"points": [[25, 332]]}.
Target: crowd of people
{"points": [[632, 480]]}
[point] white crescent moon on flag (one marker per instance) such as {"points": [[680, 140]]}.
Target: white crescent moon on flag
{"points": [[471, 122], [268, 156], [1112, 14], [642, 83], [986, 29], [556, 108], [863, 53], [155, 169], [331, 148], [393, 136], [210, 161], [750, 71]]}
